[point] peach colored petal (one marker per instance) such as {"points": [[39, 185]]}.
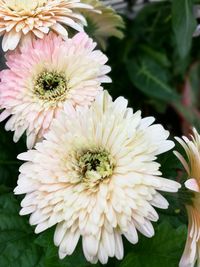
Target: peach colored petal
{"points": [[191, 253], [17, 18]]}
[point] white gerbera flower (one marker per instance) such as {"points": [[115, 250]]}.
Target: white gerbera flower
{"points": [[95, 177]]}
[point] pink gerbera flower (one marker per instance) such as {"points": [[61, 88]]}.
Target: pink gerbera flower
{"points": [[44, 75]]}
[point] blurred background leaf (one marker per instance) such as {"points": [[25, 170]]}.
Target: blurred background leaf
{"points": [[184, 25]]}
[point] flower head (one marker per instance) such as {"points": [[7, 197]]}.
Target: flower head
{"points": [[105, 24], [95, 177], [192, 148], [44, 75], [20, 17]]}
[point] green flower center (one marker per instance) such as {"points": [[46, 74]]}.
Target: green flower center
{"points": [[51, 86], [96, 165]]}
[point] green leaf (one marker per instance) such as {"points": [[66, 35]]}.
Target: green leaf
{"points": [[192, 93], [164, 249], [9, 164], [158, 56], [151, 78], [16, 236], [184, 23]]}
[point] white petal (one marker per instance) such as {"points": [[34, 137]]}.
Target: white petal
{"points": [[192, 185], [11, 40]]}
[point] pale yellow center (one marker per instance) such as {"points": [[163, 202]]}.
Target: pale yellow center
{"points": [[51, 86], [24, 5], [95, 166]]}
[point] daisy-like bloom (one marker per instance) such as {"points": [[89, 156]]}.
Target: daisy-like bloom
{"points": [[191, 253], [95, 177], [20, 17], [105, 24], [44, 75]]}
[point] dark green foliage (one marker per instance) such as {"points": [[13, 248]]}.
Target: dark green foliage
{"points": [[184, 25], [16, 236], [164, 249]]}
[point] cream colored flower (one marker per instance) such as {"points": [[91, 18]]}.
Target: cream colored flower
{"points": [[192, 248], [43, 76], [20, 17], [95, 177], [105, 24]]}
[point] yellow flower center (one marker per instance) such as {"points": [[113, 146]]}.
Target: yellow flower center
{"points": [[96, 166], [51, 86], [24, 5]]}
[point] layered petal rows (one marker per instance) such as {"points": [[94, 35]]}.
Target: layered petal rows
{"points": [[19, 18], [52, 72], [95, 176]]}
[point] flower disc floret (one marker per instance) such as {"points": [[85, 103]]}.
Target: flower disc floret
{"points": [[51, 86], [95, 165]]}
